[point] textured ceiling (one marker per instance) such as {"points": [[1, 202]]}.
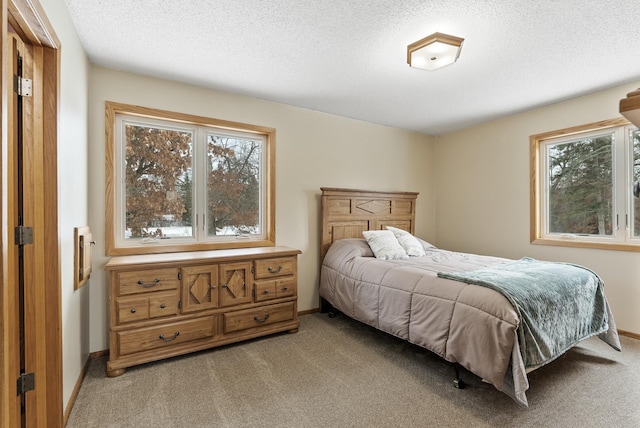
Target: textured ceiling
{"points": [[348, 57]]}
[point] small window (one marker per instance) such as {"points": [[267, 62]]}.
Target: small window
{"points": [[582, 186], [180, 183]]}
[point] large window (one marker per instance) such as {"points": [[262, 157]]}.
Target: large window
{"points": [[582, 189], [178, 182]]}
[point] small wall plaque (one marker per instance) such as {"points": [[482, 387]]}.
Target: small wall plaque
{"points": [[83, 244]]}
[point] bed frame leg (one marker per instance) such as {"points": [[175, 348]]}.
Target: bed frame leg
{"points": [[326, 307], [457, 382]]}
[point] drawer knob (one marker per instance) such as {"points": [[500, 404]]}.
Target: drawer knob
{"points": [[285, 288], [272, 270], [162, 306], [213, 287], [133, 310], [261, 320], [266, 291], [142, 284], [169, 339]]}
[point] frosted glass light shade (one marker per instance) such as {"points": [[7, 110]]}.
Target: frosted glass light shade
{"points": [[434, 51]]}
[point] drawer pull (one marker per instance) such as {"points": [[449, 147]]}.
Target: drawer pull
{"points": [[285, 288], [142, 284], [261, 320], [133, 310], [169, 339], [266, 291], [162, 306], [272, 270]]}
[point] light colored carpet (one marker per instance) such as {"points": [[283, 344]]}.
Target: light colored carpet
{"points": [[338, 372]]}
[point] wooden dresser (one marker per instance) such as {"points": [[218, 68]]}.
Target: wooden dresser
{"points": [[164, 305]]}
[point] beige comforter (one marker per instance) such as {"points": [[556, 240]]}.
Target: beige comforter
{"points": [[467, 324]]}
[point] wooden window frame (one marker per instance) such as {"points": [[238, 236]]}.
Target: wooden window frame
{"points": [[536, 233], [112, 109]]}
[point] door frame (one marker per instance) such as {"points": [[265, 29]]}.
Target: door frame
{"points": [[43, 322]]}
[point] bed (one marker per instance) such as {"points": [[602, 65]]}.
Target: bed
{"points": [[497, 318]]}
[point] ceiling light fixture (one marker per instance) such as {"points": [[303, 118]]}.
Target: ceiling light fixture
{"points": [[630, 107], [434, 51]]}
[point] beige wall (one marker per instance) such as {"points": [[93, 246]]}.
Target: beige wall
{"points": [[313, 150], [482, 195], [72, 189]]}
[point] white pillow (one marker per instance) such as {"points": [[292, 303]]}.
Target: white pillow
{"points": [[384, 244], [410, 243]]}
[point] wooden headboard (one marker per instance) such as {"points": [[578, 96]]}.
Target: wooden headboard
{"points": [[346, 213]]}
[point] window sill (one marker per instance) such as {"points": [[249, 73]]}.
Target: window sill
{"points": [[615, 246], [159, 248]]}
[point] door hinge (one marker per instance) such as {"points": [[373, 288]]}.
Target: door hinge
{"points": [[24, 235], [22, 86], [26, 382], [179, 304], [180, 275]]}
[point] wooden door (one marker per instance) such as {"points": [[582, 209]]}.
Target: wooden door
{"points": [[27, 213], [199, 288], [12, 304], [236, 283], [31, 345]]}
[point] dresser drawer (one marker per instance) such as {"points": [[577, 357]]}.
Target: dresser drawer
{"points": [[146, 281], [286, 287], [163, 304], [265, 290], [170, 334], [258, 317], [271, 268], [153, 305], [132, 309]]}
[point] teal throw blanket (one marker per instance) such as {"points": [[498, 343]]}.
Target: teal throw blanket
{"points": [[558, 304]]}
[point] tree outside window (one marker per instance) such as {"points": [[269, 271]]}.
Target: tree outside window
{"points": [[635, 141], [158, 169], [233, 180], [581, 186]]}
